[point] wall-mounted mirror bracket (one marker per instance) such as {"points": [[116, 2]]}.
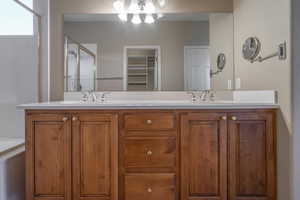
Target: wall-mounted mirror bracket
{"points": [[221, 62], [252, 48], [281, 54]]}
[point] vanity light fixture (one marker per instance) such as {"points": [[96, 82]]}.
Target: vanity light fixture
{"points": [[136, 19], [139, 11], [149, 19]]}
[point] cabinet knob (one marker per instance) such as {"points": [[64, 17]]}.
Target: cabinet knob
{"points": [[149, 190], [224, 117], [234, 118], [74, 118], [64, 119], [149, 121], [149, 153]]}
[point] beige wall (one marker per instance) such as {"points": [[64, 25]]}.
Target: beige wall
{"points": [[112, 37], [268, 20], [60, 7], [221, 41]]}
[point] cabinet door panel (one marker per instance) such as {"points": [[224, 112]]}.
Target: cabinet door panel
{"points": [[204, 157], [252, 157], [48, 157], [94, 139]]}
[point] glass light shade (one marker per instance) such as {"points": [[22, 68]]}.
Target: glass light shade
{"points": [[136, 19], [134, 7], [149, 19], [162, 3], [123, 17], [118, 5], [159, 15], [149, 7]]}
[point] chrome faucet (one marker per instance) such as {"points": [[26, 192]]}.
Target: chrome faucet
{"points": [[89, 96], [103, 96], [193, 95], [207, 95]]}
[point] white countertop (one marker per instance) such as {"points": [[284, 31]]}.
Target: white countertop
{"points": [[7, 144], [77, 105]]}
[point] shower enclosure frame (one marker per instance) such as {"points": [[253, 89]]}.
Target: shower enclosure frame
{"points": [[39, 43]]}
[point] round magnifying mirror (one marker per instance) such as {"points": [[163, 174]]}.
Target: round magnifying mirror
{"points": [[251, 48], [221, 61]]}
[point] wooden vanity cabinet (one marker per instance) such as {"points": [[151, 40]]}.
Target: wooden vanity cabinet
{"points": [[94, 156], [204, 156], [252, 156], [151, 155], [48, 157], [71, 156]]}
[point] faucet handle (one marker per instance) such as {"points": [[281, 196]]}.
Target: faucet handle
{"points": [[85, 96]]}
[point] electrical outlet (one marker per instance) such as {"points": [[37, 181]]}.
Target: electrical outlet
{"points": [[229, 85], [238, 83]]}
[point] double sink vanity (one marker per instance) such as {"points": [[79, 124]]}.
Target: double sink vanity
{"points": [[151, 150]]}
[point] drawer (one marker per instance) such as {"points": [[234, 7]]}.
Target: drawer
{"points": [[149, 121], [150, 187], [150, 152]]}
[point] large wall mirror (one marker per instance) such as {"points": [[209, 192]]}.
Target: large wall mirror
{"points": [[177, 52]]}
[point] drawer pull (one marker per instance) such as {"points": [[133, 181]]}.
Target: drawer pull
{"points": [[149, 153], [74, 119], [234, 118], [149, 121], [149, 190], [64, 119]]}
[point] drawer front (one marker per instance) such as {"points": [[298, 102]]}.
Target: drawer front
{"points": [[150, 152], [149, 121], [150, 187]]}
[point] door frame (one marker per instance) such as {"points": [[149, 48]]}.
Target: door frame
{"points": [[156, 47], [185, 61]]}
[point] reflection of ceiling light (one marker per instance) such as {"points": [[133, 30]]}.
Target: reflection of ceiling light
{"points": [[159, 15], [162, 3], [134, 7], [149, 7], [136, 19], [118, 5], [138, 10], [149, 19], [123, 17]]}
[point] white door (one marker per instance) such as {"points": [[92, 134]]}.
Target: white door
{"points": [[197, 68]]}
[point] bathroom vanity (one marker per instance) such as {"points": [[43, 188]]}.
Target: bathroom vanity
{"points": [[191, 151]]}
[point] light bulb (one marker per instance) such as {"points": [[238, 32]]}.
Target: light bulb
{"points": [[149, 19], [123, 17], [134, 7], [162, 3], [149, 7], [159, 15], [118, 5], [136, 19]]}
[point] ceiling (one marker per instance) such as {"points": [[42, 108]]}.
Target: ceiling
{"points": [[114, 17]]}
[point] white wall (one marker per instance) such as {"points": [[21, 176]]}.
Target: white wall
{"points": [[296, 98], [268, 20], [18, 81], [112, 37]]}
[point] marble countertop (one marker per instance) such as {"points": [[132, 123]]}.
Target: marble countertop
{"points": [[77, 105]]}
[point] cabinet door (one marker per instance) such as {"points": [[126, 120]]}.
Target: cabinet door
{"points": [[252, 156], [95, 157], [48, 157], [204, 156]]}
